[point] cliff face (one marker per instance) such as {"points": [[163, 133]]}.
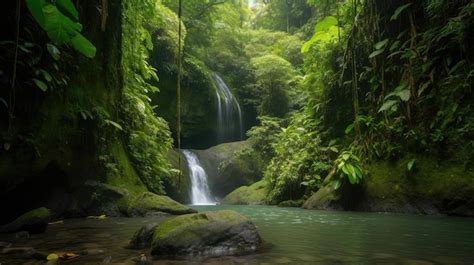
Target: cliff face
{"points": [[57, 139]]}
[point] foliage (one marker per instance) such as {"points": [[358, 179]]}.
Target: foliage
{"points": [[60, 20], [301, 161], [273, 74], [347, 165], [148, 137], [265, 135]]}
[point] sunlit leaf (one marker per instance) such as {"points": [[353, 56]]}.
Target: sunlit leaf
{"points": [[83, 45], [381, 44], [53, 51], [387, 105], [52, 256], [398, 11], [40, 84]]}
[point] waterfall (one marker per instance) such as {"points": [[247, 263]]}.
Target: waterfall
{"points": [[228, 110], [200, 193]]}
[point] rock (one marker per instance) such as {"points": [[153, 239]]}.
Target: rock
{"points": [[229, 166], [291, 203], [326, 198], [149, 203], [101, 198], [34, 221], [254, 194], [206, 234], [142, 238], [24, 253]]}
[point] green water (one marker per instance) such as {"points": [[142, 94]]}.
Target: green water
{"points": [[297, 237]]}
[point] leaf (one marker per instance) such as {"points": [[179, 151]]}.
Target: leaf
{"points": [[336, 184], [404, 95], [40, 84], [387, 105], [52, 256], [68, 7], [334, 149], [358, 172], [46, 75], [375, 53], [53, 51], [83, 46], [113, 123], [410, 164], [59, 28], [381, 44], [345, 156], [349, 128], [2, 100], [398, 11], [102, 217], [36, 10]]}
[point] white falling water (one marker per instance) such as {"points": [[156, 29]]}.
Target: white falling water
{"points": [[200, 193], [228, 109]]}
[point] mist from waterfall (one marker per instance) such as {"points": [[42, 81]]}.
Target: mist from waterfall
{"points": [[229, 113], [200, 193]]}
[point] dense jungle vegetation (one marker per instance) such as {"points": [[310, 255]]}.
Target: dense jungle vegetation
{"points": [[347, 94]]}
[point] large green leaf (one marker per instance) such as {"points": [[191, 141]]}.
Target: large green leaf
{"points": [[36, 10], [60, 28], [83, 45], [68, 7]]}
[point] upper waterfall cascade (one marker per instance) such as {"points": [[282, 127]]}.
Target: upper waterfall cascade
{"points": [[229, 113]]}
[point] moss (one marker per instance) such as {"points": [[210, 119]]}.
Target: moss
{"points": [[125, 175], [180, 228], [322, 199], [428, 178], [291, 203], [253, 194], [34, 221], [148, 202]]}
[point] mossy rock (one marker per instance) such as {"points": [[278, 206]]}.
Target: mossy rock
{"points": [[206, 234], [229, 166], [326, 198], [142, 238], [254, 194], [148, 203], [34, 221], [428, 187], [291, 203]]}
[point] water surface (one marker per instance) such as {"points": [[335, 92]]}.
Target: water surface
{"points": [[297, 237]]}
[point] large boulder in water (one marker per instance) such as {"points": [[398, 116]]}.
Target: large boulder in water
{"points": [[254, 194], [205, 234], [148, 203], [34, 221]]}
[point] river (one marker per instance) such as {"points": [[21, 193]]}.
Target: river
{"points": [[295, 236]]}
